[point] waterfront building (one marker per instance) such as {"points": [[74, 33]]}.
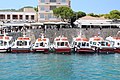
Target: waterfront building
{"points": [[24, 15], [45, 7], [97, 22]]}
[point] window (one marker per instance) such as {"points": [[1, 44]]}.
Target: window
{"points": [[52, 0], [42, 16], [52, 7], [21, 16], [42, 8], [62, 43], [118, 43], [5, 43], [1, 43], [42, 1], [63, 1], [21, 43], [37, 44], [49, 16], [66, 44], [87, 44], [83, 44], [79, 44], [2, 16], [41, 44], [90, 42], [32, 17], [15, 16], [102, 43], [94, 43], [8, 16], [58, 44], [27, 17]]}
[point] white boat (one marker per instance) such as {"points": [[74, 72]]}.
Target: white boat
{"points": [[22, 44], [61, 45], [100, 45], [41, 45], [115, 41], [105, 47], [95, 41], [81, 45], [5, 43]]}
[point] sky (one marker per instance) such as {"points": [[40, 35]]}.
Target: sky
{"points": [[88, 6]]}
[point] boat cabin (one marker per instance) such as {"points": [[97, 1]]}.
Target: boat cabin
{"points": [[95, 41], [61, 42]]}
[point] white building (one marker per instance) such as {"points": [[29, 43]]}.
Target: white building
{"points": [[45, 7], [27, 15], [96, 22]]}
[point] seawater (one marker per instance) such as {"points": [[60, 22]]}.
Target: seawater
{"points": [[59, 67]]}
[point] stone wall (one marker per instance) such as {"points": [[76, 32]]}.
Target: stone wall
{"points": [[73, 32]]}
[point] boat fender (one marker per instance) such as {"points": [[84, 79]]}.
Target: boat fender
{"points": [[108, 44], [75, 49]]}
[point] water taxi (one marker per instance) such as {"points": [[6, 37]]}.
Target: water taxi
{"points": [[61, 45], [100, 45], [41, 45], [5, 43], [94, 42], [81, 45], [22, 44], [105, 47], [115, 41]]}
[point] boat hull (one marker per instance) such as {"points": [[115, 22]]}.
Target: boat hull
{"points": [[117, 50], [43, 50], [85, 50], [4, 50], [62, 50], [20, 50], [105, 50]]}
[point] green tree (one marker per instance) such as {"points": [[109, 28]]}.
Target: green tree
{"points": [[114, 14], [79, 14], [93, 15], [107, 16], [36, 9], [90, 14], [63, 12]]}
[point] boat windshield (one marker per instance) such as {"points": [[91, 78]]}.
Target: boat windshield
{"points": [[41, 44], [103, 43], [83, 44], [21, 43], [62, 44], [3, 43]]}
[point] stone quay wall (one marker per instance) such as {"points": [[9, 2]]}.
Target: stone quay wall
{"points": [[74, 32], [68, 32]]}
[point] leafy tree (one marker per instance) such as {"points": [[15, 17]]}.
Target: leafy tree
{"points": [[36, 9], [63, 12], [93, 15], [114, 14], [90, 14], [79, 14], [107, 16], [101, 15]]}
